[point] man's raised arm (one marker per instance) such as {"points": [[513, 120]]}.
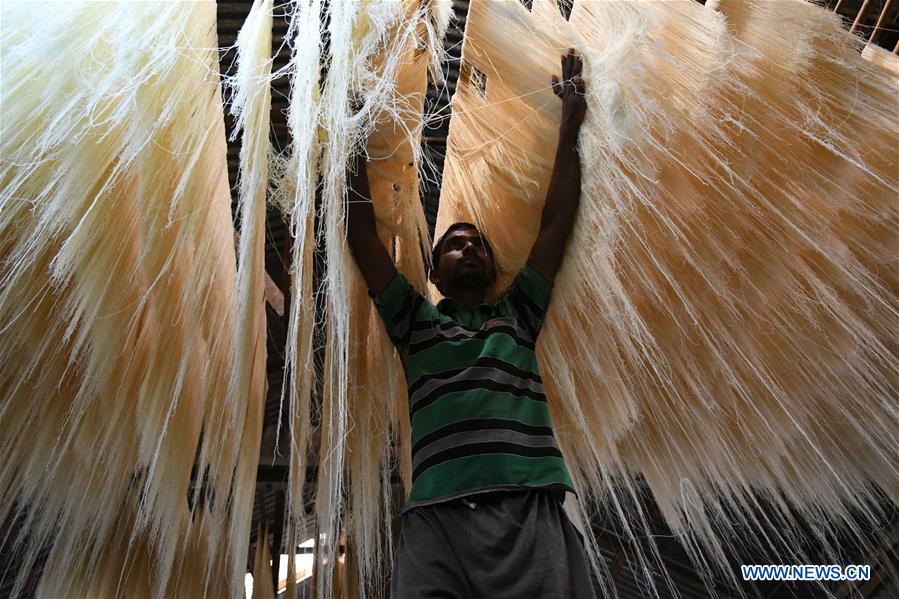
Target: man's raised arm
{"points": [[362, 233], [564, 194]]}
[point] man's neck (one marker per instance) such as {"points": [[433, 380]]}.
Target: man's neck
{"points": [[470, 298]]}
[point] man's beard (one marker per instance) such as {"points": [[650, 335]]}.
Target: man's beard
{"points": [[470, 279]]}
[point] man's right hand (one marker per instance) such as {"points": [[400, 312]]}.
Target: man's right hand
{"points": [[370, 254]]}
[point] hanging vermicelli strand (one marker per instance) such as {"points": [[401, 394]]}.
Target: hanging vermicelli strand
{"points": [[349, 75], [117, 271], [251, 106], [378, 40], [263, 585], [370, 46], [377, 391], [297, 196], [722, 334]]}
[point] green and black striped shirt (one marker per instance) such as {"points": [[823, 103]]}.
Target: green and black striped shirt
{"points": [[479, 415]]}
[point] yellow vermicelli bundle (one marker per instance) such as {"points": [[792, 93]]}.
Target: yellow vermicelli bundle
{"points": [[241, 420], [117, 302], [378, 397], [378, 53], [723, 331], [263, 585], [126, 566]]}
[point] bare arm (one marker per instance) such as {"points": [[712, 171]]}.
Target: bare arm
{"points": [[362, 233], [564, 194]]}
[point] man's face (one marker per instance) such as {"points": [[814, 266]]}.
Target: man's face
{"points": [[465, 262]]}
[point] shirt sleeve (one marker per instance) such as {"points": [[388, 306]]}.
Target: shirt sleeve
{"points": [[528, 296], [397, 304]]}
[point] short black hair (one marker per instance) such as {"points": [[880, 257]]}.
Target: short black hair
{"points": [[438, 247]]}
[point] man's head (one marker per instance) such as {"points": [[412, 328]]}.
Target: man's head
{"points": [[462, 260]]}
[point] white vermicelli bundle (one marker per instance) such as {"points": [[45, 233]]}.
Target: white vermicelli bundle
{"points": [[117, 295], [722, 333], [245, 401], [372, 95]]}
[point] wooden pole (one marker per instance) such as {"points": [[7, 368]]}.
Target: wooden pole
{"points": [[860, 16], [877, 28], [278, 538]]}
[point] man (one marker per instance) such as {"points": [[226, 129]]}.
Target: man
{"points": [[484, 517]]}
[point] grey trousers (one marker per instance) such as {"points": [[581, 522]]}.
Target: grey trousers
{"points": [[494, 545]]}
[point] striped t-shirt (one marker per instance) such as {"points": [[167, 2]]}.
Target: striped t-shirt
{"points": [[479, 415]]}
